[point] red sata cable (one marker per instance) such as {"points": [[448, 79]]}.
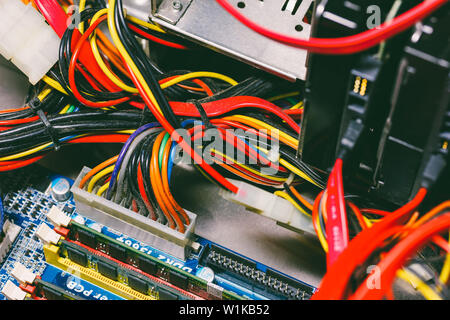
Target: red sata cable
{"points": [[54, 14], [346, 45], [337, 229]]}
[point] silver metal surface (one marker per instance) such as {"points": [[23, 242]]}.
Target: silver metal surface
{"points": [[13, 86], [172, 11], [138, 8], [206, 22]]}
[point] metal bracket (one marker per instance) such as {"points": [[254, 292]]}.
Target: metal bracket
{"points": [[206, 22], [172, 10]]}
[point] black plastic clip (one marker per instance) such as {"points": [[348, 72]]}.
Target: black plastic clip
{"points": [[36, 106]]}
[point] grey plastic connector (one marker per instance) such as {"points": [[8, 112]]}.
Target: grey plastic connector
{"points": [[129, 222]]}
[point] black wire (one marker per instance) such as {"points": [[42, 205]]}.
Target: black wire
{"points": [[134, 49]]}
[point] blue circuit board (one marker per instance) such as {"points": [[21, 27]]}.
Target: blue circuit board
{"points": [[28, 207], [76, 286]]}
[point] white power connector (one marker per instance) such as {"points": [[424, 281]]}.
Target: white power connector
{"points": [[11, 232], [27, 40], [268, 205]]}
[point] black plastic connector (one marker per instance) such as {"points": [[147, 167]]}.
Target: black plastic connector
{"points": [[433, 170]]}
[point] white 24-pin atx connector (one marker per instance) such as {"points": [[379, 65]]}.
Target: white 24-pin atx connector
{"points": [[27, 40]]}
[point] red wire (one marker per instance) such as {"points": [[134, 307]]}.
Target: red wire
{"points": [[73, 62], [180, 140], [203, 86], [337, 229], [140, 180], [345, 45], [397, 256], [14, 110], [58, 20], [54, 14], [227, 105], [441, 243], [106, 138], [18, 164], [235, 142], [376, 211], [155, 39], [18, 121], [335, 281]]}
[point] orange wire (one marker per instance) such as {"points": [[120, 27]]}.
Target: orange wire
{"points": [[432, 213], [358, 215], [141, 187], [97, 169], [159, 183], [302, 200], [165, 182], [155, 178]]}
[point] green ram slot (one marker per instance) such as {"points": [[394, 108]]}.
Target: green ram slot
{"points": [[148, 264]]}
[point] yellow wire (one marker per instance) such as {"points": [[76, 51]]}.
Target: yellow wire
{"points": [[291, 167], [369, 222], [81, 6], [445, 272], [421, 286], [284, 195], [321, 236], [44, 93], [102, 190], [63, 111], [195, 75], [276, 179], [129, 61], [99, 59], [284, 96], [26, 153], [297, 171], [54, 84], [167, 84], [42, 147], [291, 141], [145, 24], [98, 176], [297, 106]]}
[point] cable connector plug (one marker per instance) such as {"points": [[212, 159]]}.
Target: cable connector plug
{"points": [[27, 40], [350, 137], [433, 170]]}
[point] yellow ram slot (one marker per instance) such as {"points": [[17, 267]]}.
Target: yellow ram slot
{"points": [[52, 257]]}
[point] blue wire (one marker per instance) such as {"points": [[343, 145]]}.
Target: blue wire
{"points": [[170, 162]]}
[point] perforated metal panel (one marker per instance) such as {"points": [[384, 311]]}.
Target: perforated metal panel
{"points": [[209, 24]]}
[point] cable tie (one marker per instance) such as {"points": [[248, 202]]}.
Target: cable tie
{"points": [[203, 114], [146, 116], [35, 106]]}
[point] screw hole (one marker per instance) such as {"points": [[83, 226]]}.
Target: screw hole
{"points": [[241, 4], [299, 28]]}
